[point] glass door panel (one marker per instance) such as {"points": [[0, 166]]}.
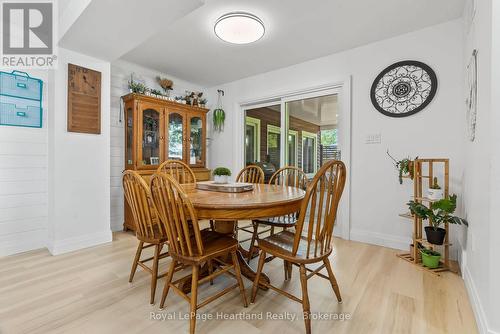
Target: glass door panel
{"points": [[252, 140], [273, 145], [292, 148], [129, 158], [150, 137], [196, 141], [175, 136]]}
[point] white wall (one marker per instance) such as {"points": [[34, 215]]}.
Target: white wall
{"points": [[79, 190], [120, 75], [437, 131], [482, 173], [23, 182]]}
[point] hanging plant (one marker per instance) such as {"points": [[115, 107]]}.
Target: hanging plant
{"points": [[219, 114]]}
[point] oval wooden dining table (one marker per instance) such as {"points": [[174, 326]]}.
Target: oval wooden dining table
{"points": [[226, 209]]}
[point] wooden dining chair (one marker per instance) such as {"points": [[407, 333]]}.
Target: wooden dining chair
{"points": [[251, 174], [287, 176], [149, 230], [316, 220], [192, 249], [179, 170]]}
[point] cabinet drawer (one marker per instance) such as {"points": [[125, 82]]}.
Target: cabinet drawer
{"points": [[29, 116]]}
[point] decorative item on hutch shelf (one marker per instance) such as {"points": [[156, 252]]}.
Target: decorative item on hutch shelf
{"points": [[219, 115], [404, 88], [404, 167], [84, 100], [157, 130], [221, 175], [166, 84], [20, 100], [435, 192], [437, 214]]}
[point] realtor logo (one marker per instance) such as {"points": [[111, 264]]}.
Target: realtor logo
{"points": [[28, 34]]}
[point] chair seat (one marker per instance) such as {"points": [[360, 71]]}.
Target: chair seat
{"points": [[281, 245], [213, 243], [282, 221]]}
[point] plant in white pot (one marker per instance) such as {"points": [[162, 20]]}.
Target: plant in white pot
{"points": [[221, 175], [435, 192]]}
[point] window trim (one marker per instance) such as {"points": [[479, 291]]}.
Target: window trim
{"points": [[255, 123], [314, 137], [276, 130], [296, 134]]}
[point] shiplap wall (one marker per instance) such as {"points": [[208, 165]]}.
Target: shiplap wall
{"points": [[120, 75], [23, 183]]}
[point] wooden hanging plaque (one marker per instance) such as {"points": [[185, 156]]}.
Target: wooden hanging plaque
{"points": [[84, 100]]}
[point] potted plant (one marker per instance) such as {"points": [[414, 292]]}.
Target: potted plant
{"points": [[404, 167], [435, 192], [165, 84], [156, 92], [221, 175], [430, 258], [438, 213], [136, 87], [219, 115], [202, 102]]}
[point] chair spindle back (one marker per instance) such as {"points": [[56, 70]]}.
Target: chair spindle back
{"points": [[319, 208], [251, 174], [177, 214], [139, 199], [289, 176], [179, 170]]}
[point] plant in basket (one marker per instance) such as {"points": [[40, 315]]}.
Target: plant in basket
{"points": [[404, 167]]}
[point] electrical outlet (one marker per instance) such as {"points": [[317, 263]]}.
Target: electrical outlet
{"points": [[373, 138]]}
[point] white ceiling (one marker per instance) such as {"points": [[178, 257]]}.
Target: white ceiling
{"points": [[182, 42]]}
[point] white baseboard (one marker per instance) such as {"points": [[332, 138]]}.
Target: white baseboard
{"points": [[22, 242], [477, 306], [57, 247], [380, 239]]}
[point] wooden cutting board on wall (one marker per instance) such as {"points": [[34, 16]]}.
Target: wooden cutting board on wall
{"points": [[84, 100]]}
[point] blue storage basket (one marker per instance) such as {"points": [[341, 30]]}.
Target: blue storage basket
{"points": [[20, 100]]}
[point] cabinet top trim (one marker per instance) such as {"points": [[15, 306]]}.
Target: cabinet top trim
{"points": [[151, 99]]}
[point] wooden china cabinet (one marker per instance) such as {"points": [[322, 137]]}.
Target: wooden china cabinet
{"points": [[157, 130]]}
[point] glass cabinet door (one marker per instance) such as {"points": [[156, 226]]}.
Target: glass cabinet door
{"points": [[150, 137], [129, 153], [196, 141], [175, 136]]}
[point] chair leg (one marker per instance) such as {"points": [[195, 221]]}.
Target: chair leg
{"points": [[285, 269], [212, 225], [289, 269], [194, 299], [154, 277], [252, 242], [262, 260], [305, 299], [272, 230], [237, 271], [136, 260], [210, 271], [170, 275], [333, 281]]}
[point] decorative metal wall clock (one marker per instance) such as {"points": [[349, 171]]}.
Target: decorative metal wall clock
{"points": [[404, 88]]}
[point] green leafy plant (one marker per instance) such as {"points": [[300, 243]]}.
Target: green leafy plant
{"points": [[203, 101], [404, 167], [137, 87], [430, 252], [435, 184], [155, 92], [438, 213], [220, 171], [219, 118]]}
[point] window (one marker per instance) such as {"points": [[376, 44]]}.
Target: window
{"points": [[292, 148], [309, 152], [273, 145], [252, 140]]}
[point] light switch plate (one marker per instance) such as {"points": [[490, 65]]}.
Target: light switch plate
{"points": [[373, 138]]}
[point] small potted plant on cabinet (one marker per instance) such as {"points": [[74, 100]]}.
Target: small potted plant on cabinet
{"points": [[439, 212], [435, 192], [430, 258], [221, 175]]}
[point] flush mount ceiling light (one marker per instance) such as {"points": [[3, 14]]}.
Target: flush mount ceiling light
{"points": [[239, 28]]}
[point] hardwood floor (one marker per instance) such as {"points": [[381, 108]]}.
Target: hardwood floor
{"points": [[88, 292]]}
